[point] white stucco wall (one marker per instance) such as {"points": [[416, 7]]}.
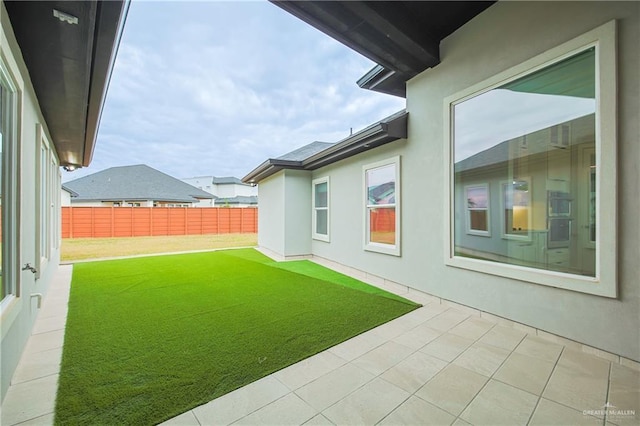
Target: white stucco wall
{"points": [[229, 190], [505, 35], [65, 198], [284, 219], [271, 214], [19, 313], [297, 222], [226, 190]]}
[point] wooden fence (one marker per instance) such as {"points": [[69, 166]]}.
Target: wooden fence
{"points": [[104, 222]]}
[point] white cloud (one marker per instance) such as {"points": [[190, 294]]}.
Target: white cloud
{"points": [[203, 88], [500, 115]]}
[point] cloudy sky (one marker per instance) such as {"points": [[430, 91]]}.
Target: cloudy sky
{"points": [[216, 88]]}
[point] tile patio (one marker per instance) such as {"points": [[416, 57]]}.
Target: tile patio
{"points": [[439, 364]]}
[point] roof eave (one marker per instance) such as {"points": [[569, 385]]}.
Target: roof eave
{"points": [[110, 20], [382, 80], [70, 64], [392, 129], [388, 130], [269, 168]]}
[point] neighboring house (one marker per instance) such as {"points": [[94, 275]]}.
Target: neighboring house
{"points": [[136, 186], [500, 188], [229, 191], [238, 201], [55, 62], [66, 195]]}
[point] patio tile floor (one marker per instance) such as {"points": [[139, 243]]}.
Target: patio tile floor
{"points": [[436, 365]]}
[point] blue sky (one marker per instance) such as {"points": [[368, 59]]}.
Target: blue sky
{"points": [[216, 88]]}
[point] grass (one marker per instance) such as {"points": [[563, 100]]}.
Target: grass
{"points": [[96, 248], [149, 338]]}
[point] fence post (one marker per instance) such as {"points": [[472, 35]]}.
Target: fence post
{"points": [[70, 222]]}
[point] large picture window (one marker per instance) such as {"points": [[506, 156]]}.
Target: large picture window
{"points": [[382, 199], [320, 220], [533, 136]]}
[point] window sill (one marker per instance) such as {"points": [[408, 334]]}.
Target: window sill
{"points": [[383, 249], [583, 284]]}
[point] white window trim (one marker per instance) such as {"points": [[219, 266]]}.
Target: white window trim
{"points": [[314, 218], [42, 199], [11, 205], [605, 281], [505, 235], [468, 211], [391, 249]]}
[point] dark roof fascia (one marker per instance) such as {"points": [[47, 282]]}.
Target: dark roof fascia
{"points": [[401, 36], [381, 133], [382, 80], [368, 28], [271, 167], [388, 130], [70, 64], [110, 20], [71, 192]]}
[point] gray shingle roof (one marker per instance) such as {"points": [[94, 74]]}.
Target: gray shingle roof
{"points": [[320, 154], [227, 180], [139, 182], [306, 151], [69, 190]]}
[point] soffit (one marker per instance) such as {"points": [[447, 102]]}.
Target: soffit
{"points": [[70, 65], [401, 36]]}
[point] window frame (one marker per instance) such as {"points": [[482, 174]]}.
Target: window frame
{"points": [[468, 210], [390, 249], [11, 188], [314, 218], [43, 200], [604, 283], [503, 218]]}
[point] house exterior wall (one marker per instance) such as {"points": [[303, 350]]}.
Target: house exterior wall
{"points": [[505, 35], [90, 204], [271, 214], [229, 190], [19, 310], [284, 220], [297, 208], [201, 182], [222, 190], [203, 203], [347, 215], [65, 198]]}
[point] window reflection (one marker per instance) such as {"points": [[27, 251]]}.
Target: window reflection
{"points": [[524, 150], [2, 192], [381, 204]]}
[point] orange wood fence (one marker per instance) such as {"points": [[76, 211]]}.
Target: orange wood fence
{"points": [[97, 222], [383, 220]]}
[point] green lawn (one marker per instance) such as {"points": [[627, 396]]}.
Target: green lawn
{"points": [[149, 338]]}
